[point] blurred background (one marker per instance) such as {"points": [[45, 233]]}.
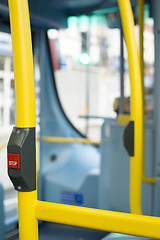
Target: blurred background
{"points": [[86, 63]]}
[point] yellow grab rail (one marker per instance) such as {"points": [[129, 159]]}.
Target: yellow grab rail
{"points": [[146, 179], [69, 140], [136, 106], [133, 224], [25, 102]]}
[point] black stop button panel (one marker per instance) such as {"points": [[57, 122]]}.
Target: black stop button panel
{"points": [[22, 159]]}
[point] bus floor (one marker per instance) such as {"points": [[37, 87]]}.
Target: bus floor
{"points": [[54, 231]]}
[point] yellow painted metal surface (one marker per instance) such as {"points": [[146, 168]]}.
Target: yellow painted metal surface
{"points": [[148, 179], [69, 140], [23, 63], [25, 103], [137, 106], [28, 224], [126, 223], [141, 23], [123, 119]]}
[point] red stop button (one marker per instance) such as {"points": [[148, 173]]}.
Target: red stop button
{"points": [[13, 160]]}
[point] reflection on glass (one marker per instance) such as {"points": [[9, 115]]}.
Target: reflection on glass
{"points": [[12, 69], [87, 92], [1, 88], [1, 115], [12, 106], [2, 62], [1, 100]]}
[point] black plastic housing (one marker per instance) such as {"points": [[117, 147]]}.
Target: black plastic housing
{"points": [[22, 141], [129, 138]]}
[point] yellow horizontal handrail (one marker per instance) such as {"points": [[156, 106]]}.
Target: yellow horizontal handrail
{"points": [[151, 180], [69, 140], [132, 224]]}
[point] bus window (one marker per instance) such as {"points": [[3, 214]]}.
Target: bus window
{"points": [[148, 70], [8, 118], [1, 101], [148, 80], [149, 59], [12, 105], [2, 59], [86, 67]]}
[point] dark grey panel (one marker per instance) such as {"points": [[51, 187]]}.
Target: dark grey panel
{"points": [[54, 13]]}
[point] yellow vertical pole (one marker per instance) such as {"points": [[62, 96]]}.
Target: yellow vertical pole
{"points": [[25, 103], [141, 22], [137, 106]]}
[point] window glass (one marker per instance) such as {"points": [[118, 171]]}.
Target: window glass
{"points": [[12, 68], [7, 117], [149, 59], [86, 67], [1, 101], [12, 105], [37, 91], [2, 58]]}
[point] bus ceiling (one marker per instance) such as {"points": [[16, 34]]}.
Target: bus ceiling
{"points": [[54, 13]]}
